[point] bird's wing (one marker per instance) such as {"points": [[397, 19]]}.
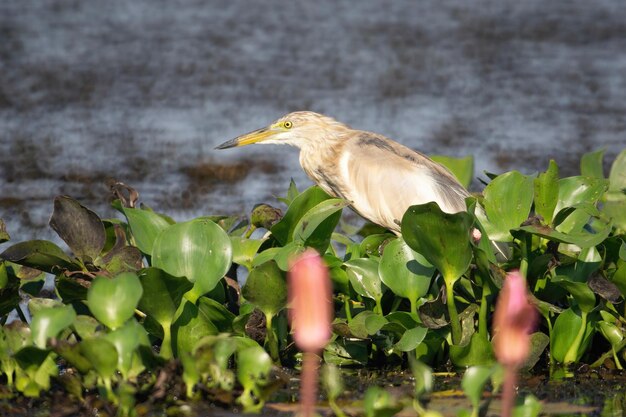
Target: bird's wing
{"points": [[383, 178]]}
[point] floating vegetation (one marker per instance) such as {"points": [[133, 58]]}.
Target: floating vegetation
{"points": [[146, 310]]}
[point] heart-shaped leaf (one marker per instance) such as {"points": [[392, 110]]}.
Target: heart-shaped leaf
{"points": [[411, 339], [113, 301], [363, 275], [145, 226], [407, 273], [79, 227], [507, 202], [266, 288], [49, 322], [442, 238], [199, 250]]}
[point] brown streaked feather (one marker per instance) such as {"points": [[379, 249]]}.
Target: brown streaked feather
{"points": [[385, 178]]}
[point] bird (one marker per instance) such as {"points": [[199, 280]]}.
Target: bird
{"points": [[380, 178]]}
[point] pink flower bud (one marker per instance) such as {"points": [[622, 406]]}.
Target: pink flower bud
{"points": [[310, 301], [514, 320]]}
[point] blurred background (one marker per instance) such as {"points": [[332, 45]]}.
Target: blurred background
{"points": [[143, 90]]}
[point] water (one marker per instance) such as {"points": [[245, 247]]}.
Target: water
{"points": [[142, 91]]}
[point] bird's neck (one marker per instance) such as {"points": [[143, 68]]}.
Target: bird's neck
{"points": [[319, 159]]}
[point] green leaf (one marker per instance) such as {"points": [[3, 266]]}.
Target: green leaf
{"points": [[591, 164], [507, 202], [581, 292], [617, 176], [461, 168], [478, 350], [86, 326], [411, 339], [363, 275], [316, 226], [423, 375], [253, 369], [583, 239], [611, 332], [577, 191], [49, 322], [474, 381], [38, 366], [538, 344], [190, 326], [442, 238], [219, 315], [366, 323], [244, 250], [565, 336], [102, 355], [79, 227], [145, 226], [530, 408], [547, 192], [113, 301], [371, 244], [407, 273], [377, 402], [283, 230], [266, 288], [126, 340], [9, 290], [162, 294], [39, 254], [199, 250], [615, 198]]}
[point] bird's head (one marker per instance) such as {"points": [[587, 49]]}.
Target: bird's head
{"points": [[297, 129]]}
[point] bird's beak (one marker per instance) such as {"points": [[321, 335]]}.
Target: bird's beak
{"points": [[248, 138]]}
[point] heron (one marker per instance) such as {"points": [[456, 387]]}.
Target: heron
{"points": [[379, 177]]}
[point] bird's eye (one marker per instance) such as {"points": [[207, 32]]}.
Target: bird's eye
{"points": [[287, 124]]}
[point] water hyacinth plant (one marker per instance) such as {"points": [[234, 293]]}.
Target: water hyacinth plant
{"points": [[136, 295]]}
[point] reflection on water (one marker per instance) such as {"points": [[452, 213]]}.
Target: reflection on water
{"points": [[142, 91]]}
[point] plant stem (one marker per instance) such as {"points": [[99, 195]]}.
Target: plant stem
{"points": [[508, 391], [270, 339], [414, 308], [484, 310], [166, 345], [346, 304], [454, 315], [308, 384], [525, 244], [379, 308]]}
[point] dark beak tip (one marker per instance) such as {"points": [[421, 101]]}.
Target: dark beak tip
{"points": [[226, 145]]}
